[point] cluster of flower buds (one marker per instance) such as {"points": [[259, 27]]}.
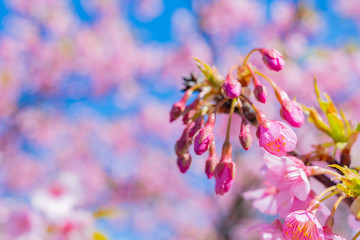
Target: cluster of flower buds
{"points": [[288, 193], [215, 95]]}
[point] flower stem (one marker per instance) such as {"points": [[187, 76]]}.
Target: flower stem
{"points": [[196, 86], [272, 83], [329, 189], [239, 105], [330, 220], [219, 104], [330, 195], [249, 101], [254, 78], [249, 54], [316, 170], [357, 234], [227, 139]]}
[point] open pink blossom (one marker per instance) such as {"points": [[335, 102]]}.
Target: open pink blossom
{"points": [[273, 59], [288, 173], [292, 113], [19, 222], [288, 187], [205, 137], [60, 197], [302, 225], [264, 199], [231, 87], [276, 137], [225, 171]]}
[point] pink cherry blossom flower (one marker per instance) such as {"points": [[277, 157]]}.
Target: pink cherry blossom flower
{"points": [[19, 222], [302, 225], [60, 197], [288, 173], [205, 136], [296, 204], [288, 188], [273, 59], [231, 87], [292, 113], [276, 137], [264, 199], [225, 171]]}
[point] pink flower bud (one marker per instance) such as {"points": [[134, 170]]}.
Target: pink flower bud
{"points": [[260, 93], [205, 136], [179, 107], [302, 225], [211, 161], [225, 171], [184, 162], [245, 135], [182, 145], [231, 87], [176, 110], [190, 111], [260, 90], [196, 126], [276, 137], [273, 59], [292, 113]]}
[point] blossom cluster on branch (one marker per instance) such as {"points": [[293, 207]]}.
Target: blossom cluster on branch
{"points": [[287, 191]]}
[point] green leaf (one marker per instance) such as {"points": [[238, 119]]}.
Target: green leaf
{"points": [[347, 124], [204, 68], [210, 73], [337, 127], [350, 181], [358, 127], [315, 118], [330, 107], [323, 105]]}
